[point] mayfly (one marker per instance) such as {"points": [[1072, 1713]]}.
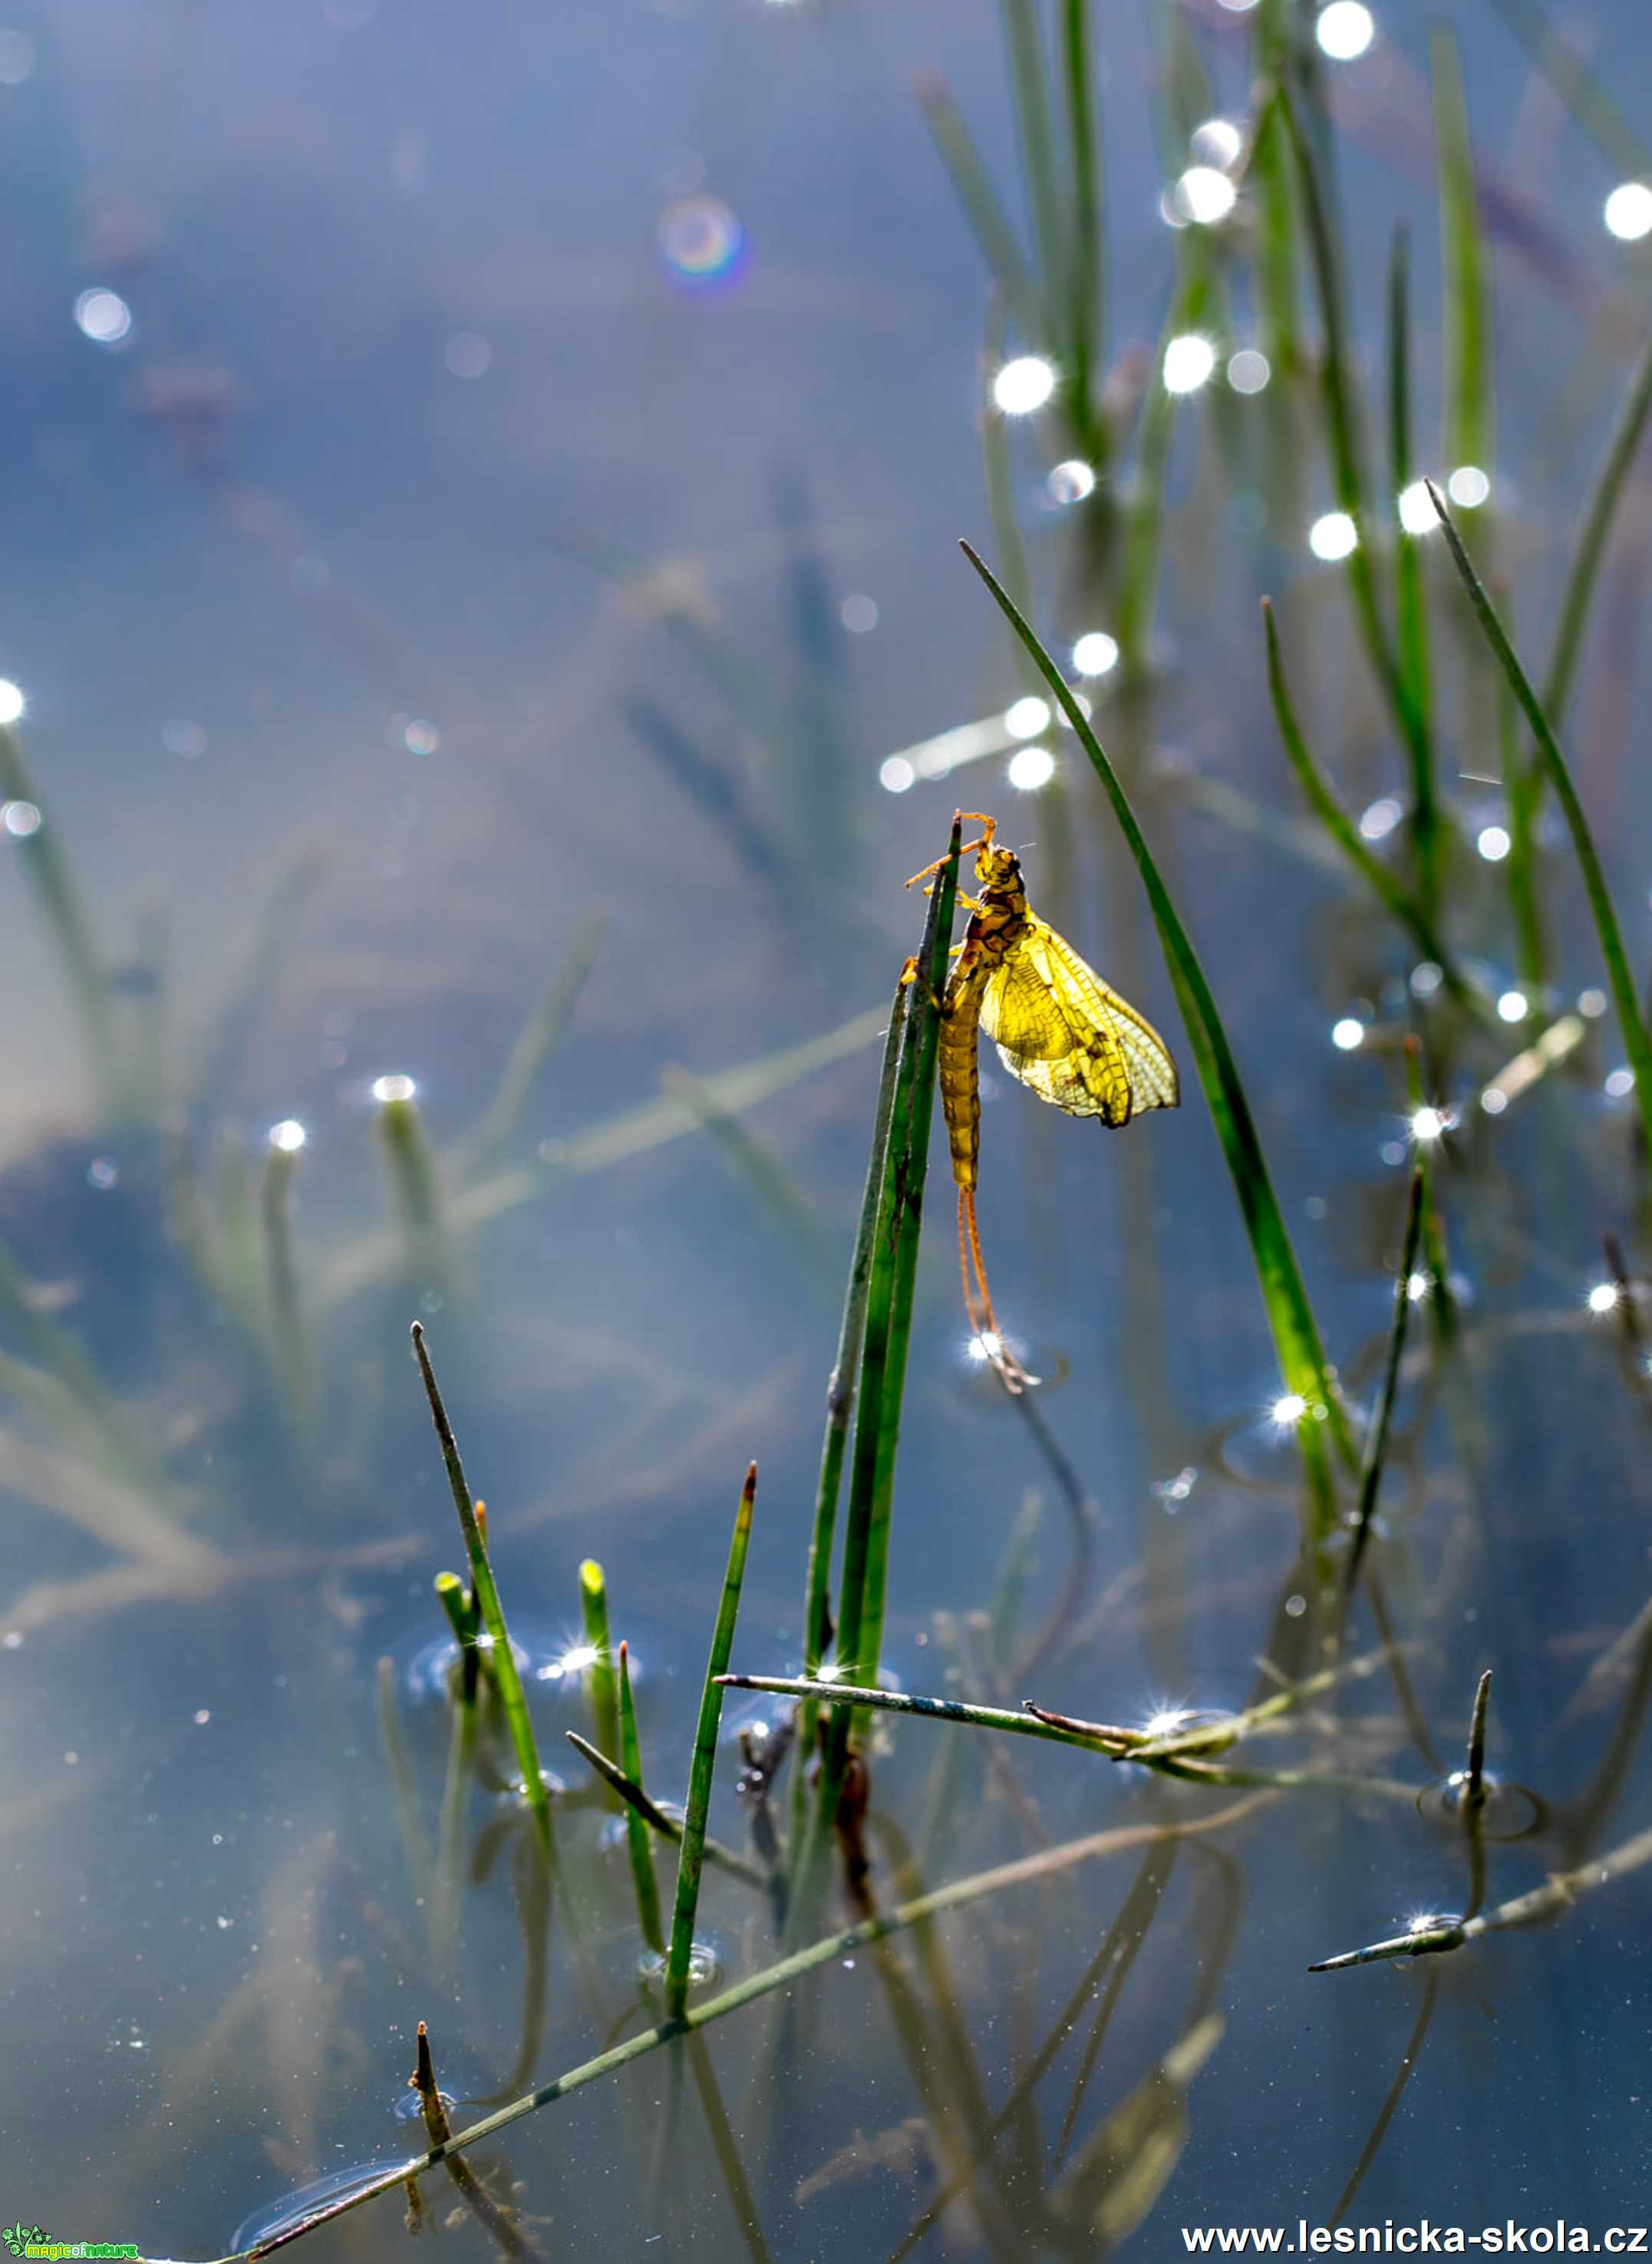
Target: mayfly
{"points": [[1058, 1028]]}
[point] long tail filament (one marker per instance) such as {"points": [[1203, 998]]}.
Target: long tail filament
{"points": [[978, 1298]]}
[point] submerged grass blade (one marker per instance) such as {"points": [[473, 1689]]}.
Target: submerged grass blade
{"points": [[416, 1184], [1302, 1362], [1468, 435], [988, 221], [289, 1342], [1046, 1863], [1377, 1436], [543, 1032], [692, 1854], [507, 1680], [1084, 287], [1619, 980], [1036, 131], [1391, 892], [1611, 482], [48, 868], [1411, 609]]}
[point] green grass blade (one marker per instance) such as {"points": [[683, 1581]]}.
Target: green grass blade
{"points": [[1466, 286], [1611, 482], [1277, 261], [603, 1682], [1390, 892], [1619, 981], [1411, 609], [692, 1854], [1035, 130], [1302, 1362], [1347, 460], [1085, 284], [638, 1845], [987, 222], [840, 1392], [507, 1679], [1144, 515], [900, 1226], [1376, 1449]]}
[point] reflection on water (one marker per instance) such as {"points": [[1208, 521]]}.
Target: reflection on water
{"points": [[480, 655]]}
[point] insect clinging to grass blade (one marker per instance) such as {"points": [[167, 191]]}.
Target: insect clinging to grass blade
{"points": [[1058, 1028]]}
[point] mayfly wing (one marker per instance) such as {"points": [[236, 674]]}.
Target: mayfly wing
{"points": [[1153, 1079]]}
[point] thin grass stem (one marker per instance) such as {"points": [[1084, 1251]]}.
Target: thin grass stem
{"points": [[1619, 980], [1376, 1449], [507, 1678], [1392, 892], [692, 1853], [602, 1679], [638, 1845]]}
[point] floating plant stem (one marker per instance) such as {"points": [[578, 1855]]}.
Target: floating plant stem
{"points": [[1619, 978], [718, 1857], [601, 1681], [1113, 1742], [638, 1845], [1044, 1863], [1302, 1362], [512, 1697], [500, 2222], [1557, 1893], [692, 1854], [1376, 1449]]}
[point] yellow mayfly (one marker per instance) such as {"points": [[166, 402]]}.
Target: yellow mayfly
{"points": [[1058, 1028]]}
